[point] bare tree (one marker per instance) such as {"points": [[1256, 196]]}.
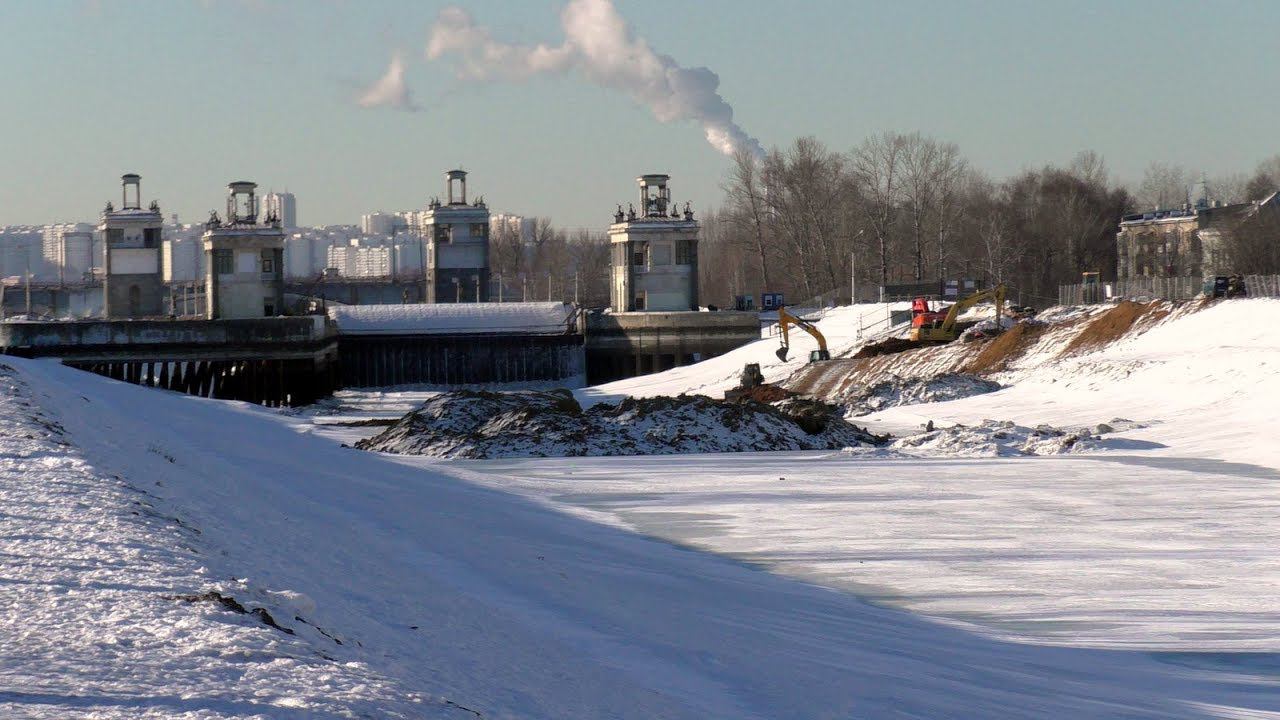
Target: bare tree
{"points": [[747, 204], [877, 164], [1164, 186]]}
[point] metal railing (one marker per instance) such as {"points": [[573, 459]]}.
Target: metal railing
{"points": [[1155, 288]]}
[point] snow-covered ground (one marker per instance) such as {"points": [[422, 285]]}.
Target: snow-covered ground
{"points": [[845, 329], [1129, 583]]}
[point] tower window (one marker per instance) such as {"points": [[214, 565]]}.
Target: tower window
{"points": [[686, 251], [223, 262]]}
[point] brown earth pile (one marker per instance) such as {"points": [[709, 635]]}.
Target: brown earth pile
{"points": [[1115, 324], [1005, 348]]}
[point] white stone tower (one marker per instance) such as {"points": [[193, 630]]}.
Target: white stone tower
{"points": [[655, 253], [244, 259], [133, 286], [456, 236]]}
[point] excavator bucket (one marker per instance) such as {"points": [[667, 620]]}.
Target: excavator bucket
{"points": [[782, 353]]}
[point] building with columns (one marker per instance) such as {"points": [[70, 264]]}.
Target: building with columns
{"points": [[456, 235], [132, 286], [654, 253], [244, 259]]}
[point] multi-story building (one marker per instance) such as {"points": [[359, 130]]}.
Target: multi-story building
{"points": [[457, 241], [384, 223], [1186, 242], [21, 250], [517, 225], [654, 253], [183, 257], [280, 206], [133, 286], [67, 253], [244, 260]]}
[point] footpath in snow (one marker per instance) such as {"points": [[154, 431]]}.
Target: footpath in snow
{"points": [[411, 589]]}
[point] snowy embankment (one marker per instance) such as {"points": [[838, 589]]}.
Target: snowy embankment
{"points": [[398, 588], [845, 328], [1160, 535]]}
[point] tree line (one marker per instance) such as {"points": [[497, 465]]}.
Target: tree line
{"points": [[809, 221]]}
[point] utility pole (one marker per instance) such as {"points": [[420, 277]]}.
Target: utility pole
{"points": [[524, 289], [548, 287], [575, 288], [499, 287]]}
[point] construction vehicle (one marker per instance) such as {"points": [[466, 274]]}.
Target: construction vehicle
{"points": [[940, 326], [785, 321]]}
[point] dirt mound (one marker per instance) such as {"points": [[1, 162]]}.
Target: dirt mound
{"points": [[885, 347], [1006, 347], [1115, 323], [939, 388], [469, 424], [759, 393]]}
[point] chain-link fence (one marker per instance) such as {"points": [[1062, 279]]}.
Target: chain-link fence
{"points": [[1153, 288]]}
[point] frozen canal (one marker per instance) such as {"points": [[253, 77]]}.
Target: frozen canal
{"points": [[1100, 550]]}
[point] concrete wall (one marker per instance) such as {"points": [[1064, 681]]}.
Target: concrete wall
{"points": [[286, 337], [380, 361], [621, 345]]}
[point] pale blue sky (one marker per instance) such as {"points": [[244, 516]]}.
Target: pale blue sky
{"points": [[192, 94]]}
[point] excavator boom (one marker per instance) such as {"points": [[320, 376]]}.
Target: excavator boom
{"points": [[946, 330], [785, 321]]}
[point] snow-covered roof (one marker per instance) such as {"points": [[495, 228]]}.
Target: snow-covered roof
{"points": [[525, 318]]}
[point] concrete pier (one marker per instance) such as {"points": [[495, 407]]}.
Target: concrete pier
{"points": [[282, 361]]}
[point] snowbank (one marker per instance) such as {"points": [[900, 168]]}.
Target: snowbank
{"points": [[896, 391], [846, 329], [531, 318]]}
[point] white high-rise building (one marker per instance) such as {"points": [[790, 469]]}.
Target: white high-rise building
{"points": [[383, 223], [283, 206], [21, 250], [521, 226], [67, 250]]}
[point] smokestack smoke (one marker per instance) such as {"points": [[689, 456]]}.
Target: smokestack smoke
{"points": [[600, 44], [390, 89]]}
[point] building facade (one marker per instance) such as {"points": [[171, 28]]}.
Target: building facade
{"points": [[244, 260], [654, 250], [1187, 242], [68, 252], [456, 235], [280, 206], [133, 286]]}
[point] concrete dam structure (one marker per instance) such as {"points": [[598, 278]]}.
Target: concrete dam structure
{"points": [[458, 343], [280, 361]]}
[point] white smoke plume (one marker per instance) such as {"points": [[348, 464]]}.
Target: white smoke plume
{"points": [[600, 44], [389, 90]]}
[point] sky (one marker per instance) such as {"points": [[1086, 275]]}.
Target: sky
{"points": [[192, 94]]}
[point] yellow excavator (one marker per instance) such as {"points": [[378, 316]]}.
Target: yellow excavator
{"points": [[939, 326], [785, 321]]}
